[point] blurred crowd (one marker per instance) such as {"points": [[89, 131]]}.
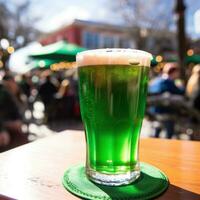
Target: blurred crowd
{"points": [[173, 103], [57, 91], [170, 101]]}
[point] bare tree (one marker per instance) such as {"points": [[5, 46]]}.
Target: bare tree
{"points": [[143, 16], [4, 14], [16, 25], [20, 24]]}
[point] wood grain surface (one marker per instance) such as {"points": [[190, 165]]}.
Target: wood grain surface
{"points": [[34, 171]]}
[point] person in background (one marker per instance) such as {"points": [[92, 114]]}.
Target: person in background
{"points": [[25, 85], [4, 138], [65, 100], [12, 107], [165, 83], [46, 91], [193, 87]]}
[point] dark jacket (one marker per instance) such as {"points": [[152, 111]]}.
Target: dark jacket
{"points": [[8, 107]]}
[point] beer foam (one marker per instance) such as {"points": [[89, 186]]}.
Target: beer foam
{"points": [[114, 57]]}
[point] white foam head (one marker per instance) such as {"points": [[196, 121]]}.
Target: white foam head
{"points": [[113, 57]]}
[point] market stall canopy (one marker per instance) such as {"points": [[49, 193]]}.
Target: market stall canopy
{"points": [[19, 62], [42, 63], [189, 59], [59, 51], [153, 61], [193, 59]]}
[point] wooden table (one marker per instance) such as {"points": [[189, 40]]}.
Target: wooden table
{"points": [[34, 171]]}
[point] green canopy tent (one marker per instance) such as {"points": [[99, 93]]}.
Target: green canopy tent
{"points": [[193, 59], [42, 63], [189, 59], [153, 61], [57, 52]]}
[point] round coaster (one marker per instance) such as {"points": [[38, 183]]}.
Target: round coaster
{"points": [[152, 182]]}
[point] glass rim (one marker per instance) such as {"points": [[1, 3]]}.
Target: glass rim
{"points": [[115, 56], [112, 50]]}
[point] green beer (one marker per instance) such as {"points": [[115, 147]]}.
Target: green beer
{"points": [[112, 100]]}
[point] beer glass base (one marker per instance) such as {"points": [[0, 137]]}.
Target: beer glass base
{"points": [[113, 180]]}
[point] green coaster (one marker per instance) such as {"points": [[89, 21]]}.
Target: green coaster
{"points": [[152, 182]]}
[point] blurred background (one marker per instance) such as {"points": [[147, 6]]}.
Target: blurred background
{"points": [[39, 41]]}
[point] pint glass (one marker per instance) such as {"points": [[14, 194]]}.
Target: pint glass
{"points": [[112, 90]]}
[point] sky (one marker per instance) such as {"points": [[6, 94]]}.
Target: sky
{"points": [[61, 12], [55, 13]]}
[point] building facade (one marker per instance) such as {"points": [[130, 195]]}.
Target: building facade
{"points": [[92, 35]]}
